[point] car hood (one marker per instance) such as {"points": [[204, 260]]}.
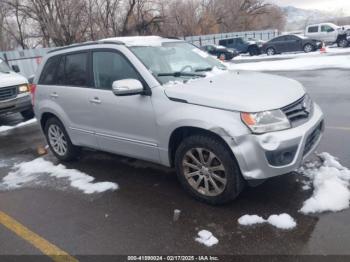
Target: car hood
{"points": [[11, 79], [238, 91]]}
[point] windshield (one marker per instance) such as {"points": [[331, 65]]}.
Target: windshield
{"points": [[4, 67], [176, 61]]}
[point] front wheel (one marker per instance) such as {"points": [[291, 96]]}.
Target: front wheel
{"points": [[308, 48], [207, 170], [59, 141]]}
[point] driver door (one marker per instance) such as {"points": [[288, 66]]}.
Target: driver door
{"points": [[123, 125]]}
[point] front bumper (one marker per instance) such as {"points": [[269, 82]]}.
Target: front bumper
{"points": [[21, 102], [255, 153]]}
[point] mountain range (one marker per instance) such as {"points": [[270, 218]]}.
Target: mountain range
{"points": [[298, 18]]}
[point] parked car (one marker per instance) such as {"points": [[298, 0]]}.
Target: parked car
{"points": [[14, 92], [328, 33], [242, 46], [291, 43], [132, 96], [220, 52]]}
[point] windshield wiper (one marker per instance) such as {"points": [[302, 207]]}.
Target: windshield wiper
{"points": [[206, 69], [179, 74]]}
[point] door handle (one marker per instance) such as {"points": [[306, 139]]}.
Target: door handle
{"points": [[95, 100], [54, 95]]}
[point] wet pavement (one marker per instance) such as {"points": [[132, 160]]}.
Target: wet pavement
{"points": [[138, 217]]}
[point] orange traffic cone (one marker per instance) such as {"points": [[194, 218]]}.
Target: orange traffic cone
{"points": [[323, 49]]}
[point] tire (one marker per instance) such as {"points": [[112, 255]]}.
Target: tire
{"points": [[222, 57], [308, 48], [343, 43], [232, 182], [253, 51], [53, 129], [28, 114], [270, 51]]}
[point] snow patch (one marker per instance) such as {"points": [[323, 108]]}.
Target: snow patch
{"points": [[7, 128], [283, 221], [330, 183], [32, 171], [249, 220], [206, 238], [297, 64]]}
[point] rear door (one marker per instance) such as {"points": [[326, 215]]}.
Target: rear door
{"points": [[67, 88], [292, 44], [314, 32], [123, 125], [279, 44]]}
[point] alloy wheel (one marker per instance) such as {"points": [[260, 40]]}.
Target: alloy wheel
{"points": [[308, 48], [204, 172], [57, 140]]}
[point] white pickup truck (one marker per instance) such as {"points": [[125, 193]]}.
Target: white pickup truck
{"points": [[14, 92], [329, 33]]}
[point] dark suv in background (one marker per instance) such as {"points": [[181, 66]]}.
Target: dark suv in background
{"points": [[242, 46], [220, 52]]}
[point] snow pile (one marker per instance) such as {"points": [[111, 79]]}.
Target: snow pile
{"points": [[206, 238], [7, 128], [27, 172], [249, 220], [304, 63], [331, 186], [283, 221]]}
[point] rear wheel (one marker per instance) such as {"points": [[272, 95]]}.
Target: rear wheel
{"points": [[59, 141], [343, 43], [207, 170], [28, 114], [270, 51], [308, 48], [222, 57], [253, 51]]}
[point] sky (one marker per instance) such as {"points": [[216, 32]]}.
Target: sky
{"points": [[324, 5]]}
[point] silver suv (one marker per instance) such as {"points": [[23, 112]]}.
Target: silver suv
{"points": [[166, 101]]}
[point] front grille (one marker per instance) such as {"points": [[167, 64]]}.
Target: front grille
{"points": [[313, 138], [297, 113], [8, 92]]}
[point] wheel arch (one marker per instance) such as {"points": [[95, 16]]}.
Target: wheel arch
{"points": [[180, 133]]}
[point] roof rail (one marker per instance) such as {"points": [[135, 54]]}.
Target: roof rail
{"points": [[85, 44]]}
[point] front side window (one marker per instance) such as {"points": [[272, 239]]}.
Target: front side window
{"points": [[176, 61], [76, 72], [109, 67], [326, 28]]}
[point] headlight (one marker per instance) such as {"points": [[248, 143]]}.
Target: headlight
{"points": [[23, 88], [267, 121]]}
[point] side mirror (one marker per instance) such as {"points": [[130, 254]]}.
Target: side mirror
{"points": [[127, 87], [16, 68], [31, 79]]}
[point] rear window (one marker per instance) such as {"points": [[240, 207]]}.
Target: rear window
{"points": [[313, 29], [70, 70], [48, 75]]}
